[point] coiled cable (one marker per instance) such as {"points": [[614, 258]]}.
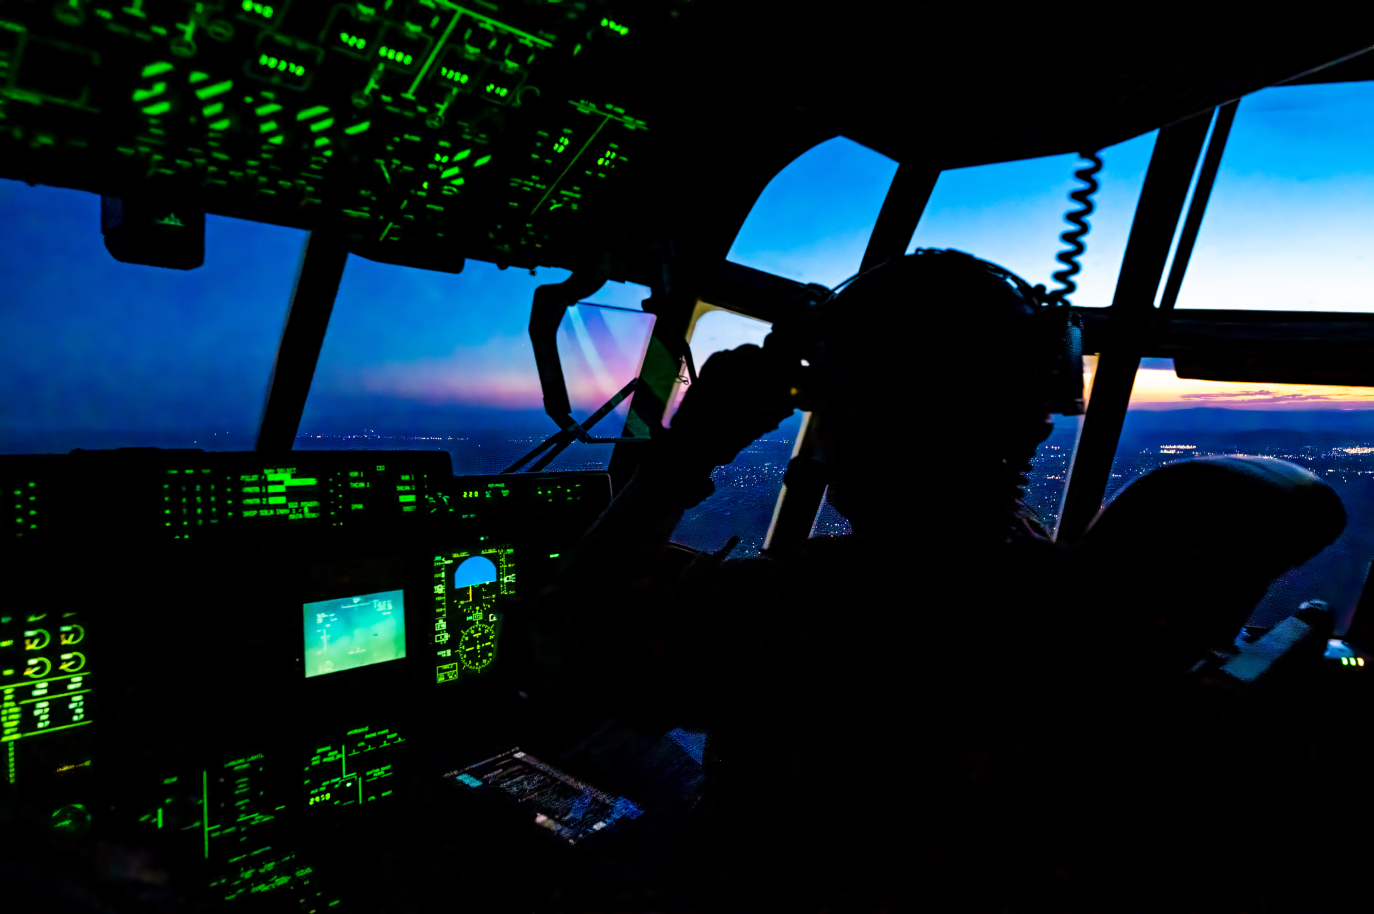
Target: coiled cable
{"points": [[1078, 218]]}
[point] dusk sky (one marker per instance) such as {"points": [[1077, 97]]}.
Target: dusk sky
{"points": [[89, 343]]}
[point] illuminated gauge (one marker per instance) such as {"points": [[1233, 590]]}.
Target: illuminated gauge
{"points": [[72, 662], [71, 634], [477, 647], [38, 667], [36, 639]]}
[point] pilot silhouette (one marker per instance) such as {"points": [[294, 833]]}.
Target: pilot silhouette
{"points": [[894, 713]]}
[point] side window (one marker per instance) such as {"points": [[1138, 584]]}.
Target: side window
{"points": [[813, 220], [419, 359], [811, 223], [1049, 474], [95, 353], [1328, 430], [746, 490], [1287, 224], [1012, 214]]}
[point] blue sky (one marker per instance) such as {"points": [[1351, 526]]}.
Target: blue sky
{"points": [[89, 343]]}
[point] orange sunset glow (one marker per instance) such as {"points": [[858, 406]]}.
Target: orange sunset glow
{"points": [[1160, 388]]}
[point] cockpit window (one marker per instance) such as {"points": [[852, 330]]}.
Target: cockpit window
{"points": [[419, 359], [1012, 213], [813, 220], [1328, 430], [747, 489], [1049, 474], [95, 353], [1287, 225]]}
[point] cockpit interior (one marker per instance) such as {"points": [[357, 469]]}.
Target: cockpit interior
{"points": [[329, 330]]}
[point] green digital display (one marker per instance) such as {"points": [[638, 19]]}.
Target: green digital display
{"points": [[198, 497], [45, 690], [353, 632], [357, 769], [468, 588]]}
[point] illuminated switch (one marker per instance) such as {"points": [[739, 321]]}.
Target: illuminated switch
{"points": [[403, 49], [350, 32], [283, 62]]}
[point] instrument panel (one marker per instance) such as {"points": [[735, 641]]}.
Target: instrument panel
{"points": [[235, 688]]}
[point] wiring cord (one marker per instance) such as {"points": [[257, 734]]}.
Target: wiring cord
{"points": [[1073, 237]]}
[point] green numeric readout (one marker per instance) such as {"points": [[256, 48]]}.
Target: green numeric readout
{"points": [[280, 492], [197, 497]]}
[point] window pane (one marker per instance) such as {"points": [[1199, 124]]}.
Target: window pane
{"points": [[100, 354], [1050, 467], [1012, 213], [1288, 223], [419, 359], [746, 490], [601, 350], [1328, 430], [813, 220], [830, 522]]}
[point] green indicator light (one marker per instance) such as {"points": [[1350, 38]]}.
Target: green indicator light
{"points": [[277, 500], [322, 125], [312, 112], [321, 141], [155, 69], [212, 109], [222, 124], [357, 128], [159, 108], [405, 498], [553, 555], [198, 76], [269, 108], [448, 173], [267, 127], [482, 161]]}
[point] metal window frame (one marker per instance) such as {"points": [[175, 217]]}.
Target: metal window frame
{"points": [[312, 302]]}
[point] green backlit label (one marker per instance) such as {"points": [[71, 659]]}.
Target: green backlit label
{"points": [[358, 769]]}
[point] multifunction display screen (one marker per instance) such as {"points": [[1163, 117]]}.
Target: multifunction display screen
{"points": [[350, 632], [468, 588], [567, 807]]}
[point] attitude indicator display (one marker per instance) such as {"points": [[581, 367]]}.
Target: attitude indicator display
{"points": [[350, 632], [469, 586]]}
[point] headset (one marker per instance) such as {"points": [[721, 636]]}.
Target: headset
{"points": [[1046, 351], [1041, 329]]}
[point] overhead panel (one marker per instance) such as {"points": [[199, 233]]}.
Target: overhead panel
{"points": [[419, 130]]}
